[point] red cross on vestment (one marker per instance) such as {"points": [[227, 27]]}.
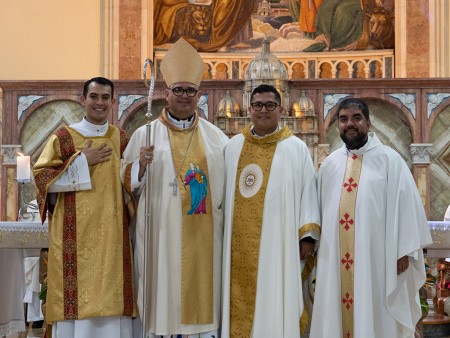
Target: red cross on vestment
{"points": [[350, 184], [346, 221], [348, 301], [347, 261]]}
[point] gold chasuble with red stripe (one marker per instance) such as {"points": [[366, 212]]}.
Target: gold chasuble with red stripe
{"points": [[347, 227], [90, 260], [197, 253], [251, 181]]}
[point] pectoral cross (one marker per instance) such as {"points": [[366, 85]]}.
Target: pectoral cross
{"points": [[174, 186]]}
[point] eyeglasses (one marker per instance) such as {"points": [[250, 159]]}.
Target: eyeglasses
{"points": [[179, 91], [270, 106]]}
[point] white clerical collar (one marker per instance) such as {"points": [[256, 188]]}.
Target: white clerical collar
{"points": [[363, 149], [181, 124], [89, 129], [252, 129]]}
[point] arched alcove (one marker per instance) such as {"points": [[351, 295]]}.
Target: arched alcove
{"points": [[38, 127], [46, 119], [440, 165], [137, 119], [388, 122], [298, 71]]}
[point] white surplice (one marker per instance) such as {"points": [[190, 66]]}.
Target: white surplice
{"points": [[33, 287], [390, 223], [164, 259], [290, 202]]}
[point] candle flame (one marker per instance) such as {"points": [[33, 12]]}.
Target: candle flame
{"points": [[19, 153]]}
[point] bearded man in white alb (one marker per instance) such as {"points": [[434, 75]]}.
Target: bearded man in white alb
{"points": [[370, 263]]}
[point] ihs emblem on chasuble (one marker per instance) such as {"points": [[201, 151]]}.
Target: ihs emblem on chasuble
{"points": [[197, 181], [250, 180]]}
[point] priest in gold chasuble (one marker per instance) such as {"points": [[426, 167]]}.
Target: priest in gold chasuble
{"points": [[370, 263], [187, 177], [90, 277], [271, 203]]}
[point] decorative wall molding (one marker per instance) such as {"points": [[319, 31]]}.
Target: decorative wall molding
{"points": [[9, 153], [330, 101], [407, 100], [125, 101], [62, 114], [434, 100], [25, 102], [420, 152]]}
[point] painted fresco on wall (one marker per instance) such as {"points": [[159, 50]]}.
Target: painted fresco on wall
{"points": [[291, 25]]}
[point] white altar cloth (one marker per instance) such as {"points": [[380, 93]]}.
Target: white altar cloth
{"points": [[24, 235], [440, 232], [12, 289], [17, 241], [21, 235], [15, 236]]}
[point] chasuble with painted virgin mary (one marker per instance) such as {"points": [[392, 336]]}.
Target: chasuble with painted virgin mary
{"points": [[186, 224]]}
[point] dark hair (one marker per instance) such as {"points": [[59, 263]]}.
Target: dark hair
{"points": [[353, 102], [265, 88], [100, 80]]}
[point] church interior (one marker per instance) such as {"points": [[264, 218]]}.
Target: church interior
{"points": [[396, 58]]}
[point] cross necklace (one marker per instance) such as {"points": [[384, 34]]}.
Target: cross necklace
{"points": [[174, 184]]}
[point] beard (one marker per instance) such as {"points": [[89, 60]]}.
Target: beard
{"points": [[356, 141]]}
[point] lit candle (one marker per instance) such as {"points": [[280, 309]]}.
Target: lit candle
{"points": [[23, 168]]}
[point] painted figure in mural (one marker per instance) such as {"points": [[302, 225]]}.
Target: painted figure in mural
{"points": [[380, 28], [340, 23], [378, 25], [198, 186], [354, 24], [206, 25], [307, 17], [294, 10]]}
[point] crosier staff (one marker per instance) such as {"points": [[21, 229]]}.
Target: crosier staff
{"points": [[151, 88]]}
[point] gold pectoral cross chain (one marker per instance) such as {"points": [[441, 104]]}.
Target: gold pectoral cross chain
{"points": [[174, 184]]}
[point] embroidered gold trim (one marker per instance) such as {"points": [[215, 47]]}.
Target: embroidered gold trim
{"points": [[307, 228], [346, 224], [197, 271], [281, 134], [247, 224]]}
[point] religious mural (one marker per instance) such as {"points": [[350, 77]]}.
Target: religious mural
{"points": [[291, 25]]}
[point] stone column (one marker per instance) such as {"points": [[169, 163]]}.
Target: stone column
{"points": [[420, 153], [9, 195]]}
